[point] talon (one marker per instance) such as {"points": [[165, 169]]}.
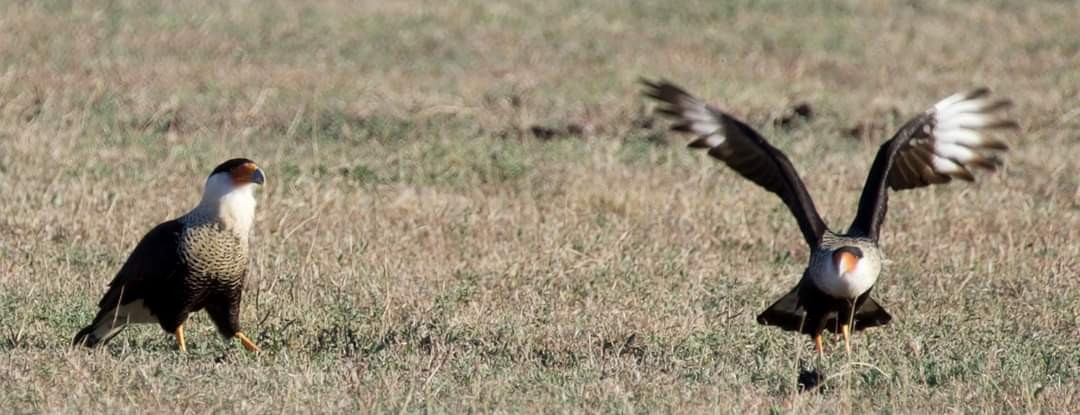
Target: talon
{"points": [[248, 344]]}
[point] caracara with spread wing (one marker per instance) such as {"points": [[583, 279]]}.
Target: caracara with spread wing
{"points": [[945, 142], [197, 261]]}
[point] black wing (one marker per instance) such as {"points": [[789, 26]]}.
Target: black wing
{"points": [[155, 260], [943, 143], [742, 149]]}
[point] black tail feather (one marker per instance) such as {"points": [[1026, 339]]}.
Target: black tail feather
{"points": [[99, 332], [785, 313], [85, 338], [870, 314], [790, 314]]}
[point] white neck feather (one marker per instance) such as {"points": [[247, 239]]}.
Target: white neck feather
{"points": [[231, 206]]}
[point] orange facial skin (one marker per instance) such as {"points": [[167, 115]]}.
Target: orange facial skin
{"points": [[247, 173], [846, 261]]}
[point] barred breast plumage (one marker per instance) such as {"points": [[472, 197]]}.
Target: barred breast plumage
{"points": [[216, 257]]}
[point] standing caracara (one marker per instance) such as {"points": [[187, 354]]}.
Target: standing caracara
{"points": [[187, 264], [936, 146]]}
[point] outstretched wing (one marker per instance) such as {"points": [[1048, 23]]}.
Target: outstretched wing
{"points": [[742, 149], [947, 141]]}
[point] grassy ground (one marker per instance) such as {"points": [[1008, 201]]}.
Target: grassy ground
{"points": [[420, 247]]}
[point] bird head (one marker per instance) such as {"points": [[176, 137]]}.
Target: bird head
{"points": [[238, 174], [229, 196], [846, 258], [240, 171]]}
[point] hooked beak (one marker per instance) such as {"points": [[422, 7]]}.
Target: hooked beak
{"points": [[257, 177]]}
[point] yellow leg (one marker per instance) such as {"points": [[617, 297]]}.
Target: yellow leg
{"points": [[180, 337], [846, 329], [248, 344], [819, 345]]}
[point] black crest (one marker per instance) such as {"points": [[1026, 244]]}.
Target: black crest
{"points": [[229, 165], [854, 250]]}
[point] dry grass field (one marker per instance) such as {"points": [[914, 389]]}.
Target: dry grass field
{"points": [[470, 207]]}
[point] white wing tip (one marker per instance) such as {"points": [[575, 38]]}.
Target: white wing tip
{"points": [[958, 131], [972, 110]]}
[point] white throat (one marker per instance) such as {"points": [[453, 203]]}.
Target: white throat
{"points": [[230, 205]]}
